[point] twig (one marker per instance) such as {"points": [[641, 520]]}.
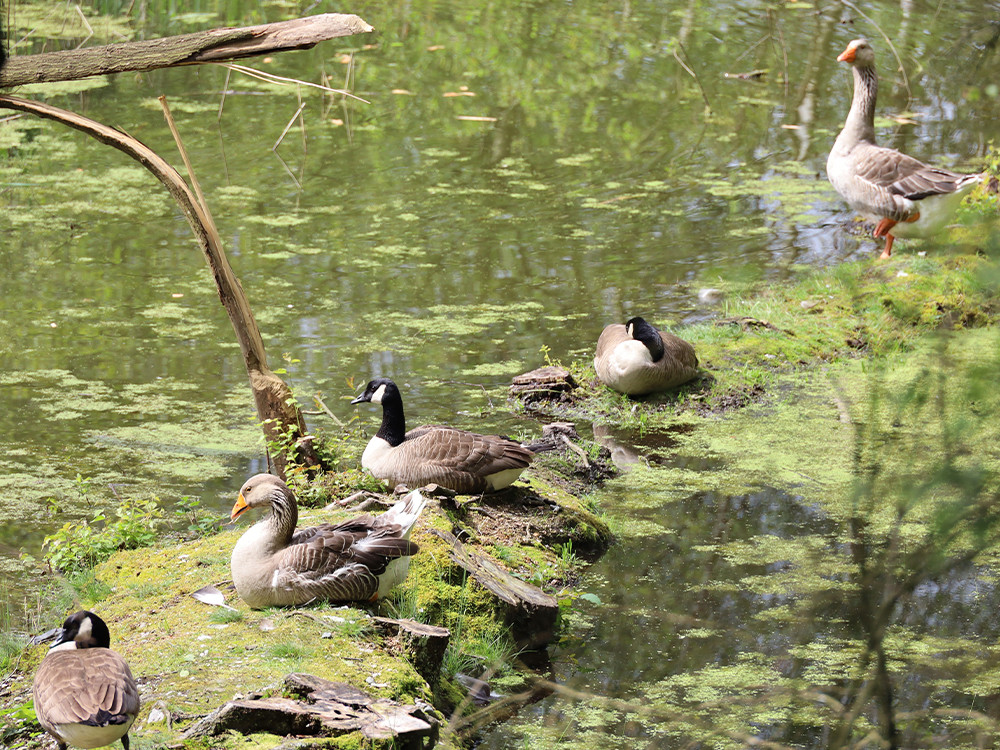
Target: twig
{"points": [[691, 72], [225, 90], [326, 409], [90, 29], [210, 224], [288, 126], [576, 449], [283, 81]]}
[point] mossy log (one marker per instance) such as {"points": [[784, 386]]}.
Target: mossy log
{"points": [[544, 384], [214, 45], [424, 644], [530, 612], [324, 708]]}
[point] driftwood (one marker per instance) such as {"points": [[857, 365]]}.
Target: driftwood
{"points": [[324, 709], [423, 644], [530, 612], [215, 45], [271, 394]]}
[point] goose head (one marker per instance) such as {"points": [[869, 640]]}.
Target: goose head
{"points": [[261, 491], [376, 392], [859, 53], [642, 331], [81, 629]]}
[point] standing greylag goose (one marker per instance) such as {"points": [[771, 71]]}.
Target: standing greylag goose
{"points": [[463, 461], [274, 565], [84, 692], [637, 359], [905, 196]]}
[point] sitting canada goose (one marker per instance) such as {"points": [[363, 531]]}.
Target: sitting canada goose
{"points": [[84, 692], [274, 565], [463, 461], [637, 359], [905, 196]]}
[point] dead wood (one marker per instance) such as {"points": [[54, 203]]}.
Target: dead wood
{"points": [[325, 709], [271, 394], [530, 612], [214, 45]]}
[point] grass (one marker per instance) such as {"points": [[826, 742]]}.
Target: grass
{"points": [[223, 615]]}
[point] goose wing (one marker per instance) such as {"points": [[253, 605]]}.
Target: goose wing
{"points": [[86, 686], [610, 337], [678, 352], [340, 562], [466, 452], [887, 181]]}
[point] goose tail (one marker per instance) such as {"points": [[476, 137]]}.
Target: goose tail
{"points": [[406, 512]]}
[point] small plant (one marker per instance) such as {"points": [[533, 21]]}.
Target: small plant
{"points": [[80, 545], [193, 519]]}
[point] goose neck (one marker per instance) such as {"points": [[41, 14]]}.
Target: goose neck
{"points": [[283, 518], [860, 123], [393, 428]]}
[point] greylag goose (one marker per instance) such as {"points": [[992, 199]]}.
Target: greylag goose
{"points": [[84, 692], [463, 461], [905, 196], [273, 565], [637, 359]]}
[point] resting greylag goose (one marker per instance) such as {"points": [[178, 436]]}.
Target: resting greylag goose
{"points": [[273, 565], [905, 196], [463, 461], [84, 692], [637, 359]]}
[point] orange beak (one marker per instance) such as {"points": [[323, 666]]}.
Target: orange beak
{"points": [[238, 508], [847, 55]]}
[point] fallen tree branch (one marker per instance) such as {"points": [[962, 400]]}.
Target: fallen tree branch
{"points": [[215, 45], [275, 407]]}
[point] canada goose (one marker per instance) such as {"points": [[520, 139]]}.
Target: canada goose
{"points": [[905, 196], [463, 461], [84, 692], [361, 559], [637, 359]]}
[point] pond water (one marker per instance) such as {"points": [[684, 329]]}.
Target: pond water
{"points": [[521, 175]]}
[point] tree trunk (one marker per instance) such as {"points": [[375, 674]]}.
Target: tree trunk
{"points": [[215, 45]]}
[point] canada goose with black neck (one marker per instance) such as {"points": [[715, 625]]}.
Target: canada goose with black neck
{"points": [[84, 693], [905, 196], [275, 565], [637, 359], [459, 460]]}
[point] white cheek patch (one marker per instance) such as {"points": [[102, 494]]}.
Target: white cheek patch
{"points": [[85, 630], [377, 396]]}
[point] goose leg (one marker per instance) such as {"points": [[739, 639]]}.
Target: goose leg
{"points": [[882, 230]]}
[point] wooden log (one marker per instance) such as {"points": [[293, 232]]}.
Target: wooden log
{"points": [[544, 384], [324, 709], [424, 644], [214, 45], [530, 613]]}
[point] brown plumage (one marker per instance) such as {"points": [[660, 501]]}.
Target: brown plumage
{"points": [[905, 196], [463, 461], [84, 693], [637, 359], [356, 560]]}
